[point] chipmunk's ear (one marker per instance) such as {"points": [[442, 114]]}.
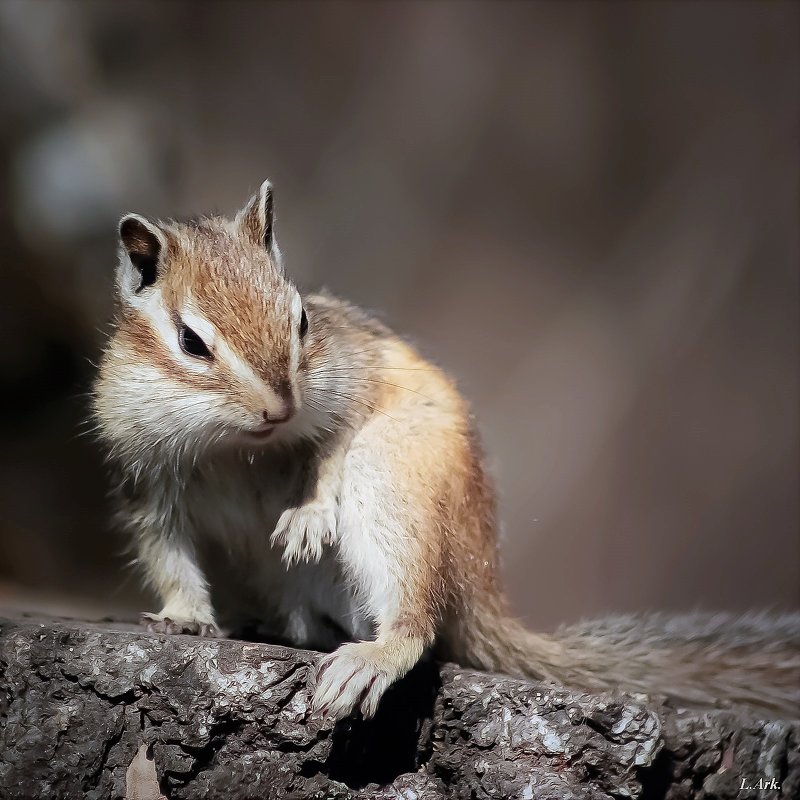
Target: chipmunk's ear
{"points": [[143, 244], [256, 221]]}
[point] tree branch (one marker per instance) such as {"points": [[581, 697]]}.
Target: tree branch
{"points": [[96, 711]]}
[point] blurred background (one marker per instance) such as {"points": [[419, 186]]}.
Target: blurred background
{"points": [[587, 213]]}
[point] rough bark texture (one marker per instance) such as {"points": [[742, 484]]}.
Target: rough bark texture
{"points": [[91, 711]]}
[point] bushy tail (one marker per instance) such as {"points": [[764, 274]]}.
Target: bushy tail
{"points": [[697, 659]]}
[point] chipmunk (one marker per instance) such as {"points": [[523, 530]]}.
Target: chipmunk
{"points": [[287, 460]]}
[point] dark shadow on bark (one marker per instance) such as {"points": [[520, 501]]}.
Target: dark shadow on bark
{"points": [[395, 741]]}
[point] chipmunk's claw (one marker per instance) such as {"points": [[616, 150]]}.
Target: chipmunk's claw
{"points": [[303, 532], [158, 623], [350, 678]]}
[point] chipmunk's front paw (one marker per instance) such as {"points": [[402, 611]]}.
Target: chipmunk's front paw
{"points": [[161, 623], [352, 677], [304, 531]]}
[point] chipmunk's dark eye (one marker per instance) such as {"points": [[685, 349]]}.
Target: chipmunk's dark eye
{"points": [[303, 324], [192, 344]]}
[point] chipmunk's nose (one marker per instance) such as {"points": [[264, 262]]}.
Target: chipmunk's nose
{"points": [[275, 418], [284, 411]]}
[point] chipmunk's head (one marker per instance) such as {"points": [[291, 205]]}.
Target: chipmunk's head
{"points": [[210, 335]]}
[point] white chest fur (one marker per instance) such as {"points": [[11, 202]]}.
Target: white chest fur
{"points": [[232, 505]]}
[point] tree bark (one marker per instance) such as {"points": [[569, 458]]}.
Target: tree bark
{"points": [[96, 711]]}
